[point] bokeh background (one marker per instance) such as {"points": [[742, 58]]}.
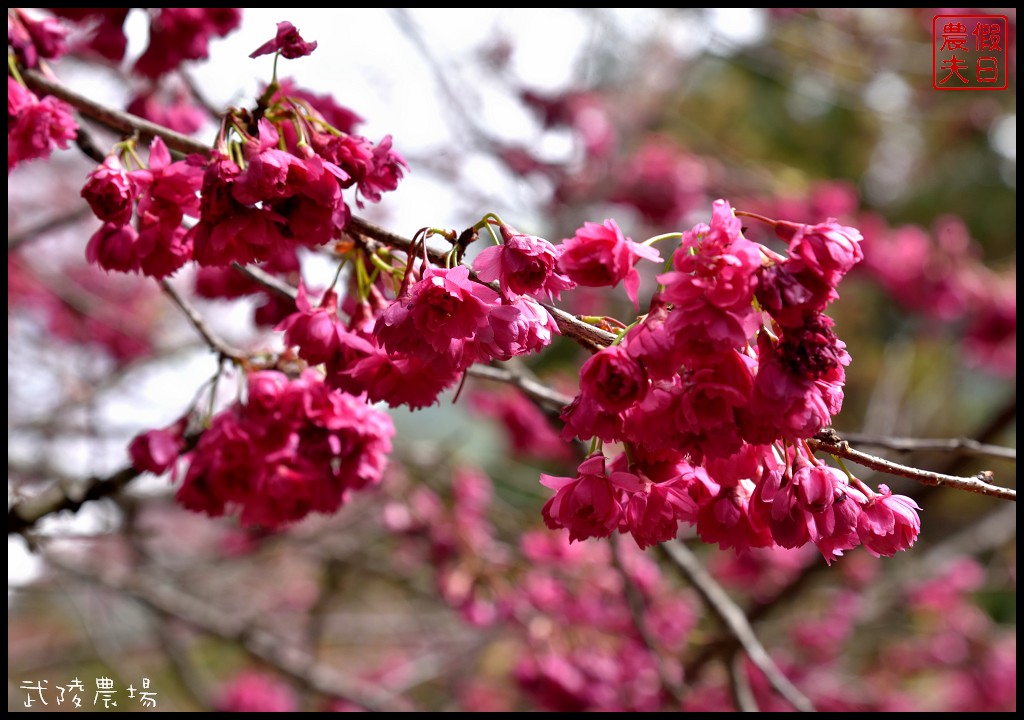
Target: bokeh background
{"points": [[549, 118]]}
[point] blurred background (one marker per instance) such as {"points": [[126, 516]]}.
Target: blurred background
{"points": [[442, 589]]}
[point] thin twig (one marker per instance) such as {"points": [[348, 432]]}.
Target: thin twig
{"points": [[637, 605], [22, 516], [71, 495], [830, 442], [256, 642], [55, 222], [963, 445], [272, 283], [216, 344], [732, 617], [739, 684], [547, 398]]}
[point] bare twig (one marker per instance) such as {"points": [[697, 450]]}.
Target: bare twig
{"points": [[216, 344], [17, 239], [22, 516], [540, 393], [272, 283], [830, 442], [732, 617], [739, 684], [257, 642], [963, 445], [638, 611]]}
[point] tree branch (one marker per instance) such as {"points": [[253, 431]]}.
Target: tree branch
{"points": [[257, 642], [216, 344], [732, 617], [638, 611], [66, 495], [541, 394], [115, 119], [829, 441], [16, 239], [963, 445]]}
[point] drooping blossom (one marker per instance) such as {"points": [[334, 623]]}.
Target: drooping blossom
{"points": [[156, 451], [585, 505], [522, 265], [599, 255], [293, 448], [35, 127], [287, 41], [888, 523], [828, 249]]}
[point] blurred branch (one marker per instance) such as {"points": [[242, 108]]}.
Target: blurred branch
{"points": [[256, 642], [965, 446], [732, 617], [638, 611], [55, 222], [540, 393], [225, 351], [71, 494], [739, 685], [829, 441], [65, 495]]}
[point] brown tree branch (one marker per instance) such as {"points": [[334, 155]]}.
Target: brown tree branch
{"points": [[258, 643], [732, 617], [963, 445], [829, 441], [637, 605], [216, 344]]}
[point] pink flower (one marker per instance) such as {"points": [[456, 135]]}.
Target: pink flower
{"points": [[253, 691], [653, 510], [517, 328], [315, 331], [176, 112], [522, 265], [38, 127], [180, 34], [288, 42], [382, 173], [586, 504], [114, 247], [111, 192], [294, 448], [437, 317], [662, 181], [32, 39], [613, 379], [601, 256], [156, 451], [888, 523], [714, 264], [827, 249], [528, 429], [105, 29]]}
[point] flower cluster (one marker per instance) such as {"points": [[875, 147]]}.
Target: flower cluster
{"points": [[159, 197], [713, 392], [406, 351], [293, 448], [35, 126]]}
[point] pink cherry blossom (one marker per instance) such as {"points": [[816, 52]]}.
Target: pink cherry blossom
{"points": [[586, 505], [827, 249], [522, 265], [888, 523], [111, 192], [599, 255], [288, 42]]}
